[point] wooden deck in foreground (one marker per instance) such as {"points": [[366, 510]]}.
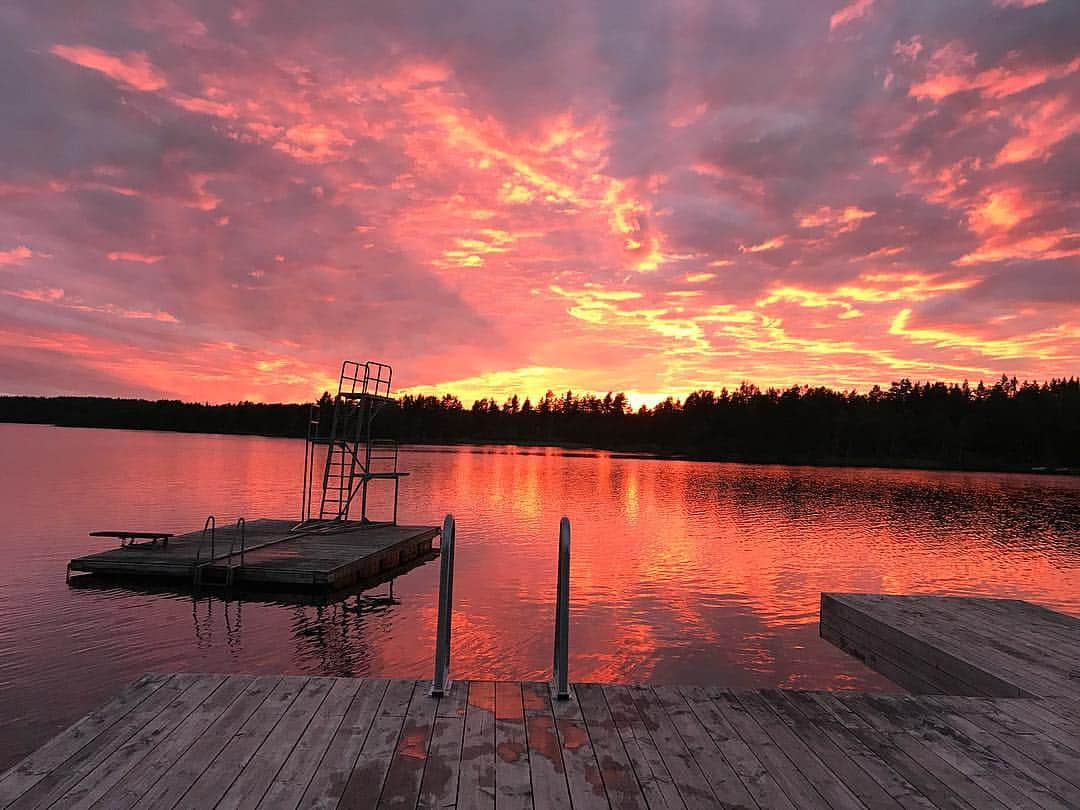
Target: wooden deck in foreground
{"points": [[201, 741], [276, 555], [958, 645]]}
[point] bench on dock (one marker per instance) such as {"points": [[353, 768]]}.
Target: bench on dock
{"points": [[129, 538]]}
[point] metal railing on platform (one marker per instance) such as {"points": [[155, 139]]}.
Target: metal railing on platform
{"points": [[562, 614], [196, 571]]}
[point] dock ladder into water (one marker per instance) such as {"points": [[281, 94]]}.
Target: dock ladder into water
{"points": [[440, 681]]}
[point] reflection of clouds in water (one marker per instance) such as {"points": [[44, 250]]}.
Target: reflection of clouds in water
{"points": [[681, 571]]}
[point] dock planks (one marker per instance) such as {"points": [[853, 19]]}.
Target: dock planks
{"points": [[237, 741], [958, 645], [1001, 728], [276, 555]]}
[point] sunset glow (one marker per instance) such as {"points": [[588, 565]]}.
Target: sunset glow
{"points": [[220, 202]]}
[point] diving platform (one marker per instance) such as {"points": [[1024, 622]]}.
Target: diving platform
{"points": [[328, 555]]}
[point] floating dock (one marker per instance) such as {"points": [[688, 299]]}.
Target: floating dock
{"points": [[195, 741], [273, 553]]}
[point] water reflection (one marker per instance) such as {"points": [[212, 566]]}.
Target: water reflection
{"points": [[681, 572], [328, 631]]}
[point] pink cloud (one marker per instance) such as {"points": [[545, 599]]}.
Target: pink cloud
{"points": [[849, 13], [668, 216], [133, 69], [16, 255], [133, 256]]}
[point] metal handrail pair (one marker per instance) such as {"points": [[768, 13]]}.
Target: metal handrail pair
{"points": [[440, 683], [211, 526]]}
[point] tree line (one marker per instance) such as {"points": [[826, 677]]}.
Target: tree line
{"points": [[1006, 425]]}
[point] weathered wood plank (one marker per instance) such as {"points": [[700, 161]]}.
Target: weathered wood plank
{"points": [[1025, 739], [240, 741], [827, 783], [172, 701], [365, 783], [832, 756], [275, 555], [295, 774], [882, 745], [213, 782], [958, 751], [513, 784], [251, 784], [1051, 789], [403, 780], [192, 746], [798, 788], [546, 768], [583, 778], [758, 781], [899, 789], [53, 754], [476, 786], [657, 783], [620, 781], [921, 751], [703, 776], [440, 785], [333, 772]]}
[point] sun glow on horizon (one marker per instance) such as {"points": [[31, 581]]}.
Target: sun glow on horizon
{"points": [[216, 207]]}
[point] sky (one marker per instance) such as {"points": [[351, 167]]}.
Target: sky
{"points": [[223, 200]]}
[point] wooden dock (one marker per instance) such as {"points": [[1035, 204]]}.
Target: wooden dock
{"points": [[201, 741], [276, 555], [958, 645], [231, 741]]}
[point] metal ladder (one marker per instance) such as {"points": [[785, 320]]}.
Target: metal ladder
{"points": [[440, 682], [353, 458], [200, 565]]}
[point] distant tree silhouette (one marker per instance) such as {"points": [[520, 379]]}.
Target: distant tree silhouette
{"points": [[1007, 425]]}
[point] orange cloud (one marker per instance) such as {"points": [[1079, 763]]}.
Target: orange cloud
{"points": [[314, 142], [1044, 125], [1057, 244], [133, 256], [16, 255], [849, 13], [1045, 344], [838, 220], [768, 244], [133, 69]]}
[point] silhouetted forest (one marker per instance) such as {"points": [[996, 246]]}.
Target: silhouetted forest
{"points": [[1007, 425]]}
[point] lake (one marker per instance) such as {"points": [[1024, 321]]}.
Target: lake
{"points": [[682, 572]]}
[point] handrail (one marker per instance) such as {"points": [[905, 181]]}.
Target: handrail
{"points": [[196, 569], [562, 614], [241, 527], [440, 683], [211, 523]]}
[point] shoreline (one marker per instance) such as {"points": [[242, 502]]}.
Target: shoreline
{"points": [[645, 453]]}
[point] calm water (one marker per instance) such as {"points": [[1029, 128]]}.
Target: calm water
{"points": [[682, 572]]}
